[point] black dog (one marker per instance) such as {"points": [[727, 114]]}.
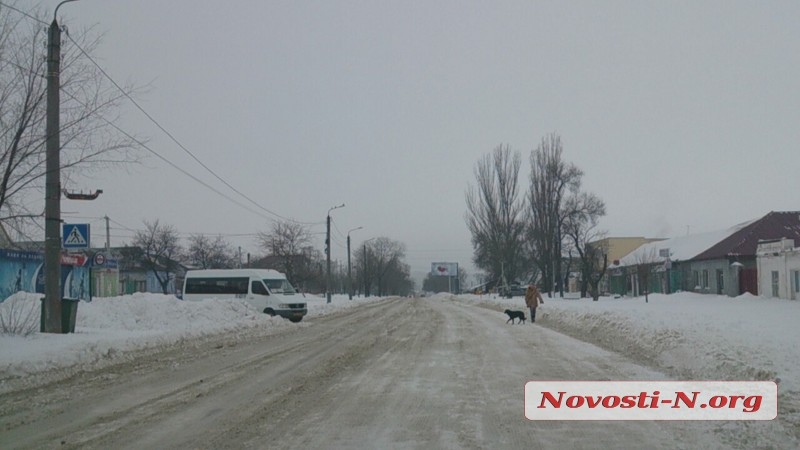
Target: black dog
{"points": [[515, 315]]}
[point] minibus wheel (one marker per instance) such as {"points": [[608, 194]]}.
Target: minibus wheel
{"points": [[270, 312]]}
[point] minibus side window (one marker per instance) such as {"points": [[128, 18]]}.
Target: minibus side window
{"points": [[258, 288]]}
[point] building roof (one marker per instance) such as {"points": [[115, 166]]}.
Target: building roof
{"points": [[739, 240], [743, 242], [680, 248]]}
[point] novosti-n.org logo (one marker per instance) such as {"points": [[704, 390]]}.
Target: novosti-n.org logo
{"points": [[651, 400]]}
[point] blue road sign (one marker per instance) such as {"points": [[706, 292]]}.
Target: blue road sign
{"points": [[75, 235]]}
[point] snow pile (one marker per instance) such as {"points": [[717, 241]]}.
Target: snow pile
{"points": [[107, 328], [689, 336]]}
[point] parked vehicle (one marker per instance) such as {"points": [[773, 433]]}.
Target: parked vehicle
{"points": [[514, 290], [267, 290]]}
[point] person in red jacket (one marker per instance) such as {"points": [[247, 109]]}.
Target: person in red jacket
{"points": [[533, 298]]}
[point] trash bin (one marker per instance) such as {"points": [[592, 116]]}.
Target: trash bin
{"points": [[69, 312]]}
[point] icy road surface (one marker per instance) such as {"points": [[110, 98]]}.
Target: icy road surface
{"points": [[400, 374]]}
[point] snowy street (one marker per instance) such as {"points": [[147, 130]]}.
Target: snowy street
{"points": [[404, 373]]}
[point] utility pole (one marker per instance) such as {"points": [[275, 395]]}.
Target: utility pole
{"points": [[52, 189], [328, 253], [349, 271], [108, 235], [52, 195], [328, 257], [366, 286]]}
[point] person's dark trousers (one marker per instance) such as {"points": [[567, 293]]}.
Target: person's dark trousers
{"points": [[533, 315]]}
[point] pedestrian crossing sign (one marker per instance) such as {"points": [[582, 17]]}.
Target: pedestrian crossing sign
{"points": [[75, 235]]}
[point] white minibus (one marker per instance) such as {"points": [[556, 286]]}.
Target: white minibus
{"points": [[267, 290]]}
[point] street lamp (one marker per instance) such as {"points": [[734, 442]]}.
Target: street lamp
{"points": [[328, 252], [349, 267]]}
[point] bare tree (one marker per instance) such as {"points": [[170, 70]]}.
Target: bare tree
{"points": [[551, 180], [160, 249], [205, 253], [381, 263], [494, 215], [645, 260], [308, 270], [89, 106], [582, 212], [287, 241], [397, 279], [386, 256], [595, 266]]}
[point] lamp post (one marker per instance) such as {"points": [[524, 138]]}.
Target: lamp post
{"points": [[349, 267], [328, 253]]}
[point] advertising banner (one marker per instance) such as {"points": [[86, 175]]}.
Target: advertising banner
{"points": [[24, 271], [444, 269]]}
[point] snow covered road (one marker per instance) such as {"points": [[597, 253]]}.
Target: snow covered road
{"points": [[402, 373]]}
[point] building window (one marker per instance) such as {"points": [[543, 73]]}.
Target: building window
{"points": [[775, 282], [796, 280], [696, 279], [705, 279]]}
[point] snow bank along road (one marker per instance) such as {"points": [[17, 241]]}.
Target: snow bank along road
{"points": [[402, 373]]}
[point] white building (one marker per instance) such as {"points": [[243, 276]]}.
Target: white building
{"points": [[778, 269]]}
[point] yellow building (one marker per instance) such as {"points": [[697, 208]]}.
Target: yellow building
{"points": [[619, 247]]}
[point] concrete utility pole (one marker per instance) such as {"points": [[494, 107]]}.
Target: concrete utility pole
{"points": [[349, 267], [108, 235], [52, 192], [328, 253], [52, 206]]}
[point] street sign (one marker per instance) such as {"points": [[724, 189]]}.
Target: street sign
{"points": [[99, 259], [75, 235]]}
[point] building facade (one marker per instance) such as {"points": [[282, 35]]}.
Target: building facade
{"points": [[779, 269]]}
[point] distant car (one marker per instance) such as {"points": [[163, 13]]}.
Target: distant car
{"points": [[515, 290]]}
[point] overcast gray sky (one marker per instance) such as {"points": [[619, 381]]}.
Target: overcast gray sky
{"points": [[684, 115]]}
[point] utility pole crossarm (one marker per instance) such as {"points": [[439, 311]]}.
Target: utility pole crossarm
{"points": [[81, 195]]}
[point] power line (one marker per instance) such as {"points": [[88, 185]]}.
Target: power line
{"points": [[138, 142], [174, 139], [165, 131], [13, 8]]}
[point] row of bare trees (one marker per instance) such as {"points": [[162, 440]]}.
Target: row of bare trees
{"points": [[378, 266], [534, 236]]}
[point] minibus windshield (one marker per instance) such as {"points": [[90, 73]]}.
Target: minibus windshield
{"points": [[280, 286]]}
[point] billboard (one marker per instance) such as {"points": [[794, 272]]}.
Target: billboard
{"points": [[24, 271], [444, 269]]}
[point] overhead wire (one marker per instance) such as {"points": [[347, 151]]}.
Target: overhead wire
{"points": [[13, 8], [145, 146], [175, 140], [166, 132]]}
